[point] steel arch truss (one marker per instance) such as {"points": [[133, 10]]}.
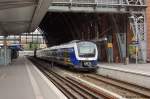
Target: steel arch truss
{"points": [[136, 2], [135, 8]]}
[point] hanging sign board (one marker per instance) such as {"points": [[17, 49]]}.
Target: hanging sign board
{"points": [[109, 45]]}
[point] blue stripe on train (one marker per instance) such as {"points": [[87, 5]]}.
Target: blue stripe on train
{"points": [[73, 57]]}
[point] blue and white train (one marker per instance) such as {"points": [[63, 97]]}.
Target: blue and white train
{"points": [[79, 55]]}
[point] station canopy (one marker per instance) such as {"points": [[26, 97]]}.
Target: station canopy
{"points": [[20, 16]]}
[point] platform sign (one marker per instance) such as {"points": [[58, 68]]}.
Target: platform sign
{"points": [[109, 45], [133, 49]]}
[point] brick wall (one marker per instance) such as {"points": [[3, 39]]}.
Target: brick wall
{"points": [[148, 29]]}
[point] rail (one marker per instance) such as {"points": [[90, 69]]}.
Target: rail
{"points": [[71, 88], [76, 86]]}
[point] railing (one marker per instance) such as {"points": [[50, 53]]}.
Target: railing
{"points": [[115, 2]]}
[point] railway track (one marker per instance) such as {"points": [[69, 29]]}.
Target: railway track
{"points": [[120, 84], [123, 89], [75, 87]]}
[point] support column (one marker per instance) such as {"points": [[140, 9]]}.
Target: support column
{"points": [[19, 38], [26, 39], [37, 41], [148, 29], [110, 49], [5, 50]]}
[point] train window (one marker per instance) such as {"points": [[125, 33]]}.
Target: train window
{"points": [[62, 54], [86, 49], [59, 54], [66, 53], [54, 53], [50, 53], [70, 50]]}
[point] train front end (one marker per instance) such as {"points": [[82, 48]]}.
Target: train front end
{"points": [[86, 54]]}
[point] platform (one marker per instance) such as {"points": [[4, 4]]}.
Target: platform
{"points": [[22, 80], [138, 74]]}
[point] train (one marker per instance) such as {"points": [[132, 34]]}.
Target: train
{"points": [[77, 54]]}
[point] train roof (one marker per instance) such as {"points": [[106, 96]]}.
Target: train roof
{"points": [[65, 45], [70, 44], [75, 41]]}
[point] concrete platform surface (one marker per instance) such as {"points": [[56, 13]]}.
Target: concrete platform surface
{"points": [[138, 74], [22, 80]]}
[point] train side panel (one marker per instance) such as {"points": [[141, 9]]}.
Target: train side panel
{"points": [[68, 56]]}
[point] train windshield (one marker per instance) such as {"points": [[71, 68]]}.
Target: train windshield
{"points": [[86, 49]]}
